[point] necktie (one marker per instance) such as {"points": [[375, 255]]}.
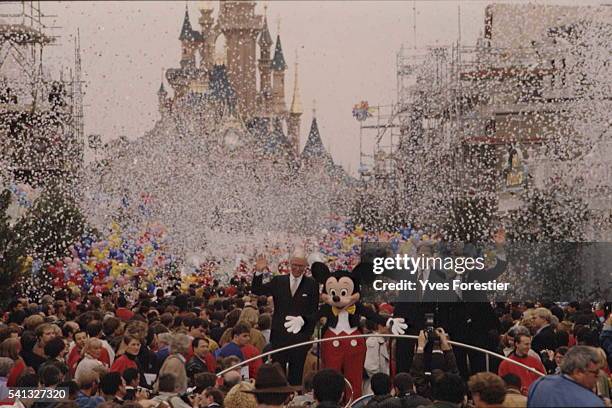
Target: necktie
{"points": [[294, 286]]}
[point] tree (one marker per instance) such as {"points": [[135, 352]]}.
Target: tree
{"points": [[48, 228], [12, 252]]}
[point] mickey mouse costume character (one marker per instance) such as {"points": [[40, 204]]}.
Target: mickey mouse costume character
{"points": [[343, 311]]}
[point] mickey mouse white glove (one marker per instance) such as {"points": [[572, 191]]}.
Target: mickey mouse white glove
{"points": [[397, 325], [294, 324]]}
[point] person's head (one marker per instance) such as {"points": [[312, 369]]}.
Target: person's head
{"points": [[200, 347], [541, 317], [80, 338], [49, 375], [44, 333], [404, 383], [264, 322], [112, 384], [241, 334], [55, 348], [560, 353], [522, 344], [93, 348], [271, 386], [231, 378], [213, 395], [249, 315], [132, 344], [298, 263], [28, 380], [167, 382], [204, 380], [328, 385], [10, 348], [572, 307], [94, 328], [512, 381], [195, 326], [488, 390], [110, 325], [130, 376], [582, 363], [6, 364], [381, 384], [180, 344], [448, 387], [164, 340]]}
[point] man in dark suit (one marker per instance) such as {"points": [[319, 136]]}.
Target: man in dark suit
{"points": [[293, 295], [471, 319], [545, 337], [467, 316]]}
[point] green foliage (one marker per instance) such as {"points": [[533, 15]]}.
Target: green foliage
{"points": [[12, 251], [52, 224]]}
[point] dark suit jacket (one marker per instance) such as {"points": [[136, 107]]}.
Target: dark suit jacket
{"points": [[305, 302], [472, 316], [546, 339]]}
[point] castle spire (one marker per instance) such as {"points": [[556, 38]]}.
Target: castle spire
{"points": [[162, 90], [278, 62], [314, 148], [296, 103], [186, 30], [265, 40]]}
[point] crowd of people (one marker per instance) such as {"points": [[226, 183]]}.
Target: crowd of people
{"points": [[207, 347]]}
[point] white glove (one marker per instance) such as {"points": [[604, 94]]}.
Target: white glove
{"points": [[397, 325], [294, 324]]}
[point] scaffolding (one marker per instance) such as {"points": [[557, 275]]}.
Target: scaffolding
{"points": [[41, 117], [472, 121]]}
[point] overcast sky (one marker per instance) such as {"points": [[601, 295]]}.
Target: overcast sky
{"points": [[347, 53]]}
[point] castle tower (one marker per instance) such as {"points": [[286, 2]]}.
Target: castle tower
{"points": [[265, 69], [295, 113], [188, 45], [207, 46], [161, 99], [278, 80], [314, 150], [240, 26]]}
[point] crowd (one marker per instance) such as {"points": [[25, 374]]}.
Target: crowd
{"points": [[181, 348]]}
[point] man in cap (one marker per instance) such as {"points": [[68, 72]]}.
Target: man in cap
{"points": [[294, 295]]}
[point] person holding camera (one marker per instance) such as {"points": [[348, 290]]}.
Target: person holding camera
{"points": [[433, 352]]}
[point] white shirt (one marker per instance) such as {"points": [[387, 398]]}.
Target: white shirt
{"points": [[343, 324], [294, 281]]}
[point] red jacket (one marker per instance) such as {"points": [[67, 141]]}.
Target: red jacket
{"points": [[250, 351], [122, 363], [15, 373], [124, 314], [527, 377], [73, 359]]}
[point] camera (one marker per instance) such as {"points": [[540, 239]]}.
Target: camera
{"points": [[430, 331]]}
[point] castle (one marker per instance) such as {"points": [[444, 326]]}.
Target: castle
{"points": [[200, 73]]}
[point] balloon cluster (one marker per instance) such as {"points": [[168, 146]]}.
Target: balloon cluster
{"points": [[124, 258], [341, 241]]}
